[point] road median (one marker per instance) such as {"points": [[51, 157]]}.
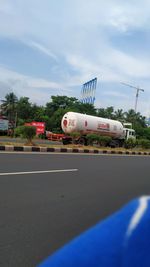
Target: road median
{"points": [[11, 148]]}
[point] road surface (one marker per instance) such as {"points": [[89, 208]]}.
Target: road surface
{"points": [[47, 199]]}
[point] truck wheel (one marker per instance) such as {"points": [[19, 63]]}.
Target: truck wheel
{"points": [[82, 141], [114, 143], [121, 143], [65, 142]]}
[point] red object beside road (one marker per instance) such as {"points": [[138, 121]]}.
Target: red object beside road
{"points": [[40, 126]]}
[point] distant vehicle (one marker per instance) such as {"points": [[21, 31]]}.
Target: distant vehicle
{"points": [[53, 136], [86, 124]]}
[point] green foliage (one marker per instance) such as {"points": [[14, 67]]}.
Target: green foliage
{"points": [[60, 102], [20, 122], [136, 119], [99, 139], [42, 136], [54, 123], [9, 107], [86, 108], [39, 114], [130, 143], [144, 143], [120, 115], [101, 112], [63, 101], [27, 132], [22, 110], [106, 113], [92, 138], [145, 133], [104, 140], [18, 131], [75, 135]]}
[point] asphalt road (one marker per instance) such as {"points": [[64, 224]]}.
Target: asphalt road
{"points": [[41, 211]]}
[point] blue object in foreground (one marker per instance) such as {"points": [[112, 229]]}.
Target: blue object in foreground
{"points": [[122, 240]]}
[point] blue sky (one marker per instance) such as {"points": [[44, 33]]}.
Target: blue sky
{"points": [[52, 47]]}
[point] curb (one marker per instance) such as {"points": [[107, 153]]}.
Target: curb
{"points": [[68, 150]]}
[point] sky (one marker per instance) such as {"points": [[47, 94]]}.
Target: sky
{"points": [[52, 47]]}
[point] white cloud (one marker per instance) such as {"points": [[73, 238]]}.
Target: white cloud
{"points": [[42, 49], [127, 65], [39, 90], [112, 66], [58, 22], [9, 75], [77, 36]]}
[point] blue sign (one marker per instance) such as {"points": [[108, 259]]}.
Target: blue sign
{"points": [[3, 125], [88, 91]]}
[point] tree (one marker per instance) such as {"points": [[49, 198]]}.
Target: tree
{"points": [[143, 133], [9, 107], [39, 114], [63, 101], [55, 121], [86, 108], [101, 112], [136, 119], [106, 113], [110, 112], [24, 108], [119, 115], [60, 102], [34, 110], [28, 132]]}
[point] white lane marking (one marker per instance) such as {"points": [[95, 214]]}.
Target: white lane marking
{"points": [[36, 172], [139, 213]]}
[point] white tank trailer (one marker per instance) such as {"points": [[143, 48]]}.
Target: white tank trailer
{"points": [[87, 124]]}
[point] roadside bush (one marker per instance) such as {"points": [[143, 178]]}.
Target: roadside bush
{"points": [[144, 143], [27, 132], [130, 143], [104, 140], [92, 138], [20, 122], [75, 135], [17, 131], [42, 136]]}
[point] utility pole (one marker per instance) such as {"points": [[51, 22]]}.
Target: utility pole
{"points": [[138, 89]]}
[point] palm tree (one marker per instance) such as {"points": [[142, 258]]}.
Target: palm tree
{"points": [[9, 106], [120, 115], [130, 116], [135, 118], [106, 112], [110, 112]]}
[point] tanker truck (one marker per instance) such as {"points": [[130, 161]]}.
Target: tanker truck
{"points": [[87, 124]]}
